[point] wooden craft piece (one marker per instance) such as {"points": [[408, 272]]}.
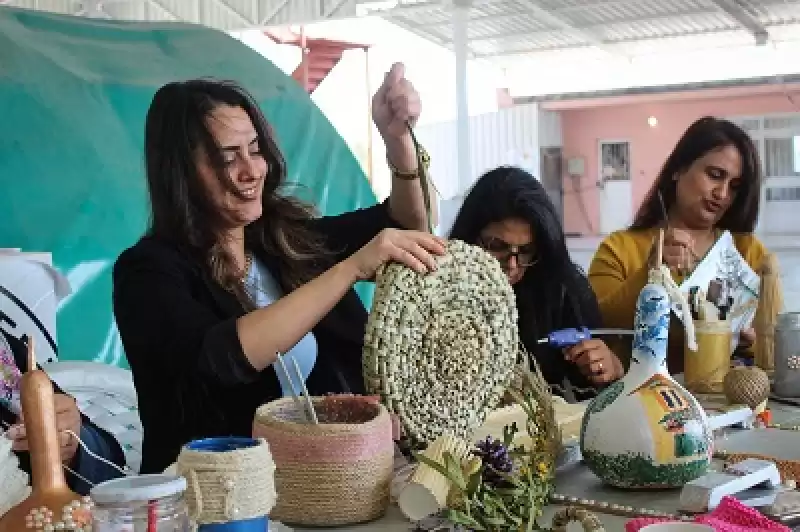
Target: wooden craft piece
{"points": [[770, 303], [568, 417], [51, 504]]}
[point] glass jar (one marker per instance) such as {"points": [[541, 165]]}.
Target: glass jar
{"points": [[142, 503]]}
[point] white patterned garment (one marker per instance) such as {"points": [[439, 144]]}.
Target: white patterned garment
{"points": [[15, 481], [9, 380]]}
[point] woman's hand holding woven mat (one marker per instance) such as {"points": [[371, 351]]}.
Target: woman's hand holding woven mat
{"points": [[415, 249]]}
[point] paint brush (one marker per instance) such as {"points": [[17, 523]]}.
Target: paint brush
{"points": [[660, 247], [663, 208], [694, 303]]}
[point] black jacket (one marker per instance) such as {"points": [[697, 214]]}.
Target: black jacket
{"points": [[178, 328]]}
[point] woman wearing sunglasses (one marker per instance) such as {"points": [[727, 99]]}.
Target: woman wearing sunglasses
{"points": [[508, 213]]}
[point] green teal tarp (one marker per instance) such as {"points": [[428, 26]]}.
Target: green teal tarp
{"points": [[73, 97]]}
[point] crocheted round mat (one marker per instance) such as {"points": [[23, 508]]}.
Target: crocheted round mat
{"points": [[440, 348]]}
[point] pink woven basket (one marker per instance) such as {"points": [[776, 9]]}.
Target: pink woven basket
{"points": [[334, 473]]}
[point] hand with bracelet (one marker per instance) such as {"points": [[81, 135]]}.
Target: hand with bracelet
{"points": [[396, 107]]}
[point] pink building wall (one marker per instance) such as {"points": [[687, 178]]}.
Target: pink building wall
{"points": [[585, 123]]}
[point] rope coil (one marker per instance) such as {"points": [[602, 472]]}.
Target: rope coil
{"points": [[589, 521]]}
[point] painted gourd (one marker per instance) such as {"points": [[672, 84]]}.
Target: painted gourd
{"points": [[646, 430]]}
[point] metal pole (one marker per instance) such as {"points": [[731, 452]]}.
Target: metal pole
{"points": [[460, 45], [304, 63], [369, 116]]}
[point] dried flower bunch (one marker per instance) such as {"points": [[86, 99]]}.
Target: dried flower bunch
{"points": [[504, 486], [440, 348]]}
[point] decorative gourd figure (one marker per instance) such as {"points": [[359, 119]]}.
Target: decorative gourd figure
{"points": [[51, 504], [646, 430]]}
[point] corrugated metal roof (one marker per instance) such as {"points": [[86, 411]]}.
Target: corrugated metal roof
{"points": [[497, 27], [507, 27]]}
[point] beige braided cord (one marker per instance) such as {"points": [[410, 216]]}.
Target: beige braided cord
{"points": [[440, 348], [747, 386], [589, 521], [228, 485]]}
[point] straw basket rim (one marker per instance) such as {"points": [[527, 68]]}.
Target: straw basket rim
{"points": [[265, 416]]}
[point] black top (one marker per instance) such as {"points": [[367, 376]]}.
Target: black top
{"points": [[573, 310], [178, 328]]}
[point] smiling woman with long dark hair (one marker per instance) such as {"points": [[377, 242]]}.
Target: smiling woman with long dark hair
{"points": [[234, 271], [710, 183], [509, 214]]}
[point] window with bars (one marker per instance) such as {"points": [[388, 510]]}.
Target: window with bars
{"points": [[615, 161], [782, 156]]}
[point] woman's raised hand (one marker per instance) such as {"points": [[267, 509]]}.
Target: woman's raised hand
{"points": [[415, 249], [678, 251]]}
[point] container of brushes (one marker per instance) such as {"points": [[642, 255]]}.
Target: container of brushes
{"points": [[704, 370], [337, 472]]}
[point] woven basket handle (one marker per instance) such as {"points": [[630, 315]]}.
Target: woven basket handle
{"points": [[585, 518]]}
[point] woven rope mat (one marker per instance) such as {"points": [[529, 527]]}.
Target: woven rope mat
{"points": [[440, 348]]}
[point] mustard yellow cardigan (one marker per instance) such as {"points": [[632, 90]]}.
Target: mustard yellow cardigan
{"points": [[618, 273]]}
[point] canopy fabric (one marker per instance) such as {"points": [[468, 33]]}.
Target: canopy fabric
{"points": [[73, 97]]}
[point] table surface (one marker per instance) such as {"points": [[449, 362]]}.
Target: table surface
{"points": [[578, 481]]}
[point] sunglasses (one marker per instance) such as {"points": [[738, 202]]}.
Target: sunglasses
{"points": [[503, 251]]}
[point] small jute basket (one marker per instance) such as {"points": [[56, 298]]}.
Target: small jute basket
{"points": [[334, 473]]}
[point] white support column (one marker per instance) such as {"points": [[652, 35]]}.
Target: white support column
{"points": [[460, 46]]}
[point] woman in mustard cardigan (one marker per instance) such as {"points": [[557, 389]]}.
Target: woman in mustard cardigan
{"points": [[709, 183]]}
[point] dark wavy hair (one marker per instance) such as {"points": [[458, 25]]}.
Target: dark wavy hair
{"points": [[182, 211], [554, 286], [703, 136]]}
